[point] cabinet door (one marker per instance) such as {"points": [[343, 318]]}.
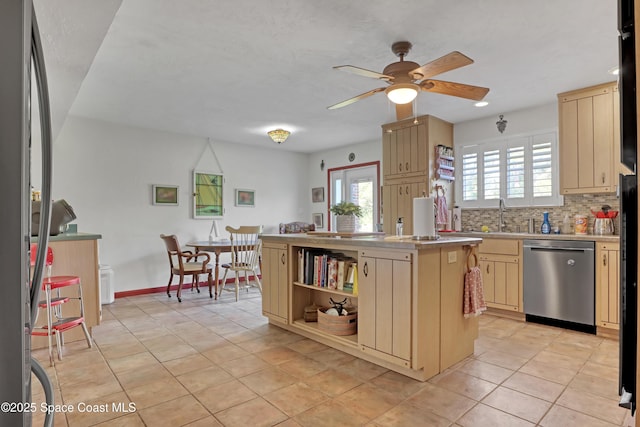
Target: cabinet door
{"points": [[398, 203], [275, 282], [587, 138], [607, 286], [384, 301], [501, 281]]}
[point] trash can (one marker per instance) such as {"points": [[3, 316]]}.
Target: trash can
{"points": [[107, 293]]}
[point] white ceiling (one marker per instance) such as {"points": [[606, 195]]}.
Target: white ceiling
{"points": [[233, 69]]}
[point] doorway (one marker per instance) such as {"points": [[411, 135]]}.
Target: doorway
{"points": [[359, 184]]}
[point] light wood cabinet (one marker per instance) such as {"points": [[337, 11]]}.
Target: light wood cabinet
{"points": [[385, 305], [275, 281], [408, 166], [588, 135], [409, 299], [607, 285], [501, 265], [398, 203]]}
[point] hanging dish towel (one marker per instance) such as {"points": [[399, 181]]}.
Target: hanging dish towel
{"points": [[442, 211], [474, 303]]}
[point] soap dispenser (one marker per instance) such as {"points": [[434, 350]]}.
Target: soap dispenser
{"points": [[546, 225]]}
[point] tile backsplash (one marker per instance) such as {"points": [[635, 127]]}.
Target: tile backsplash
{"points": [[516, 217]]}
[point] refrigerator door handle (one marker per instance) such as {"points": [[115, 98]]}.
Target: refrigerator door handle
{"points": [[45, 126]]}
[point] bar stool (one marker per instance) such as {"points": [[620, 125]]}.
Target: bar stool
{"points": [[52, 304]]}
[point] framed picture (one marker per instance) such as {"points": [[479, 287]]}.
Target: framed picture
{"points": [[207, 195], [317, 194], [318, 220], [165, 195], [245, 198]]}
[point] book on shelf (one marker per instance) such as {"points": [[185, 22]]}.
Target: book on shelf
{"points": [[332, 272]]}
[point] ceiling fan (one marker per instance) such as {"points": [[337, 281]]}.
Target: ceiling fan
{"points": [[407, 78]]}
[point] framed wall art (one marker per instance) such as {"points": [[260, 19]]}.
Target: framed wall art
{"points": [[318, 220], [165, 195], [317, 194], [246, 198], [207, 195]]}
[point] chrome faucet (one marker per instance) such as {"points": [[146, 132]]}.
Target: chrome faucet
{"points": [[502, 225]]}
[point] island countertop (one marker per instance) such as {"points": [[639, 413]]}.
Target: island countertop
{"points": [[391, 242]]}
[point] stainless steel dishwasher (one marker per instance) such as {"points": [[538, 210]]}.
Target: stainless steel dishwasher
{"points": [[559, 283]]}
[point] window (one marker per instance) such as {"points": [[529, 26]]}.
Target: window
{"points": [[522, 170]]}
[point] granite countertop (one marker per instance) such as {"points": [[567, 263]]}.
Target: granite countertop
{"points": [[507, 235], [391, 242], [62, 237]]}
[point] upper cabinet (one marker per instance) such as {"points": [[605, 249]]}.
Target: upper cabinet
{"points": [[408, 148], [589, 139]]}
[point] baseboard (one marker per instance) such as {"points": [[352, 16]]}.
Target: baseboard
{"points": [[163, 289]]}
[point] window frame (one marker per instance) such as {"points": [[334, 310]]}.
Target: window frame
{"points": [[503, 144]]}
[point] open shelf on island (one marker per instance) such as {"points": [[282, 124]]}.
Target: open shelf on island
{"points": [[327, 290], [350, 340]]}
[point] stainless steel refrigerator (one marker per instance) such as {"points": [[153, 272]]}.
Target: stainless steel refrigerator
{"points": [[21, 56], [628, 207]]}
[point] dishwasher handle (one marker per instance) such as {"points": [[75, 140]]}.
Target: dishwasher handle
{"points": [[563, 249]]}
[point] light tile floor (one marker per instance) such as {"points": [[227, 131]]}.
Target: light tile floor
{"points": [[201, 362]]}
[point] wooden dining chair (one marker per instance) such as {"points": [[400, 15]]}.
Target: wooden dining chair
{"points": [[183, 263], [246, 250]]}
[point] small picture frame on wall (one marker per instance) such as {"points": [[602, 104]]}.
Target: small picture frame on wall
{"points": [[245, 198], [165, 195], [318, 220], [317, 194]]}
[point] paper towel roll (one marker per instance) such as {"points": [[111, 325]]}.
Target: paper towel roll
{"points": [[424, 217]]}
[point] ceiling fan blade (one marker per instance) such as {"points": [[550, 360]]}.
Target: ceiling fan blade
{"points": [[460, 90], [449, 62], [363, 72], [355, 98], [404, 111]]}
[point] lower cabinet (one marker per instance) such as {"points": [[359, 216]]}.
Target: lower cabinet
{"points": [[275, 281], [384, 320], [501, 264], [607, 285]]}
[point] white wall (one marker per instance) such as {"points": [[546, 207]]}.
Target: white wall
{"points": [[106, 171], [518, 122]]}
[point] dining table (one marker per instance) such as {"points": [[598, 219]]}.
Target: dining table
{"points": [[216, 247]]}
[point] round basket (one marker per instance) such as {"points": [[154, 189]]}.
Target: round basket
{"points": [[338, 325]]}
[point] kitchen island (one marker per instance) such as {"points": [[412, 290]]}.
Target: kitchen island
{"points": [[76, 254], [408, 296]]}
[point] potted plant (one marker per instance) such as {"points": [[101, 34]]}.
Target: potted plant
{"points": [[346, 213]]}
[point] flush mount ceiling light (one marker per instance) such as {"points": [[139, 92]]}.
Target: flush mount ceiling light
{"points": [[402, 93], [481, 104], [279, 135]]}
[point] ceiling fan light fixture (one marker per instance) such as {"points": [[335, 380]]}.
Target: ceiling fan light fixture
{"points": [[279, 135], [402, 93]]}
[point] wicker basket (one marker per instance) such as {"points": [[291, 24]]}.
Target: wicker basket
{"points": [[338, 325]]}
